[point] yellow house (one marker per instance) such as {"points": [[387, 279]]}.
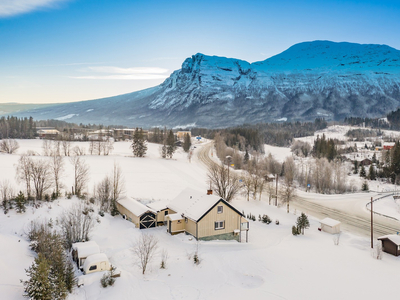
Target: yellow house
{"points": [[180, 135], [206, 217]]}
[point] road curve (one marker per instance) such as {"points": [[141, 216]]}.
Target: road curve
{"points": [[353, 218]]}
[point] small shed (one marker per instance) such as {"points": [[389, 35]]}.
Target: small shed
{"points": [[330, 225], [96, 263], [391, 244], [82, 250], [141, 215]]}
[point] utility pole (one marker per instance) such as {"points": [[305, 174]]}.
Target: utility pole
{"points": [[276, 191], [372, 226]]}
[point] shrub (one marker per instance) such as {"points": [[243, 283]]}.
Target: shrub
{"points": [[295, 231], [266, 219]]}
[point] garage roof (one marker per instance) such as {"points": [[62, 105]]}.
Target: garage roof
{"points": [[135, 206], [392, 237], [330, 222]]}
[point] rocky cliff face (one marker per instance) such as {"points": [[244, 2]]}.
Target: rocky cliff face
{"points": [[309, 80]]}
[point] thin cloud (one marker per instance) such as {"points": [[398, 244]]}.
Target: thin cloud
{"points": [[117, 73], [10, 8], [117, 70], [123, 77]]}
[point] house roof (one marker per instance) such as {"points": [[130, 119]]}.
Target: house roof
{"points": [[158, 205], [392, 237], [95, 258], [85, 249], [135, 206], [330, 222], [194, 204]]}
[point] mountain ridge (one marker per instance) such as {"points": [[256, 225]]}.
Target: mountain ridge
{"points": [[306, 81]]}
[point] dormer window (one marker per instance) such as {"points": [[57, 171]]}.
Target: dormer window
{"points": [[220, 209]]}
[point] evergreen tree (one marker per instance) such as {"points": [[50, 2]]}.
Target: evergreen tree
{"points": [[20, 202], [246, 157], [362, 172], [355, 167], [371, 173], [139, 146], [302, 223], [39, 286], [187, 143], [170, 144], [374, 158], [70, 278]]}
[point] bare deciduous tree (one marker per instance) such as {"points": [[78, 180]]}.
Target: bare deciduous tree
{"points": [[9, 146], [6, 194], [78, 151], [77, 223], [103, 193], [286, 194], [144, 249], [225, 184], [57, 166], [24, 172], [46, 146], [41, 177], [66, 145], [81, 174], [118, 187]]}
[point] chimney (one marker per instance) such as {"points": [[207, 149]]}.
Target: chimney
{"points": [[209, 192]]}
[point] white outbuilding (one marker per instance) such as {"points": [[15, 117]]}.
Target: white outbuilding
{"points": [[330, 225], [96, 263], [82, 250]]}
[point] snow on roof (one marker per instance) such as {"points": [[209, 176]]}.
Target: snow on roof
{"points": [[86, 248], [175, 217], [193, 204], [158, 205], [135, 206], [95, 258], [393, 237], [389, 144], [330, 222]]}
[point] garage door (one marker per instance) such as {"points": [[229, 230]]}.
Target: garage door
{"points": [[147, 220]]}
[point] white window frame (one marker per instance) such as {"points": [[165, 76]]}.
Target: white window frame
{"points": [[218, 225], [220, 207]]}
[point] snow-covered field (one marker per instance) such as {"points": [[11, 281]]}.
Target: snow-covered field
{"points": [[273, 265]]}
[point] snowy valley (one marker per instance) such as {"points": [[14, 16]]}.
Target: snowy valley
{"points": [[274, 264]]}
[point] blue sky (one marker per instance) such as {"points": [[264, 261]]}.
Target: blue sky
{"points": [[71, 50]]}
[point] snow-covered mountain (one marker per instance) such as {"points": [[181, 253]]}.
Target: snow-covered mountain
{"points": [[308, 80]]}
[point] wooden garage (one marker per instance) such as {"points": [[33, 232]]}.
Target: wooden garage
{"points": [[141, 215], [391, 244]]}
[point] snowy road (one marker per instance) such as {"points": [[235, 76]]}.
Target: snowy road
{"points": [[347, 208]]}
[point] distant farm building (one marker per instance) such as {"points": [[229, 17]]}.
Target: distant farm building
{"points": [[180, 135], [202, 215], [365, 162], [50, 134], [388, 146], [330, 225], [391, 244]]}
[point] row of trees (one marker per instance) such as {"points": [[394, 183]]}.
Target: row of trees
{"points": [[13, 127]]}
